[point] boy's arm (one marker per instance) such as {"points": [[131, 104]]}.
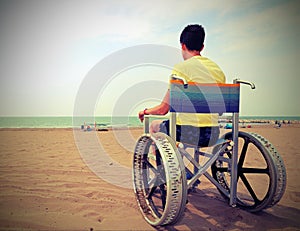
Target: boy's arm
{"points": [[161, 109]]}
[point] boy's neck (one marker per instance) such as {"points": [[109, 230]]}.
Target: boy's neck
{"points": [[190, 54]]}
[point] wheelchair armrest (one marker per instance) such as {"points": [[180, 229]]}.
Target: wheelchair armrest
{"points": [[147, 121]]}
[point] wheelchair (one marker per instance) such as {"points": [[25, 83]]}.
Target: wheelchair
{"points": [[245, 167]]}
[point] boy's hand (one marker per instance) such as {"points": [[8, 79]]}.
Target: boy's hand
{"points": [[141, 116]]}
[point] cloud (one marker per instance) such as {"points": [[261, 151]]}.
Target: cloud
{"points": [[261, 27], [48, 46]]}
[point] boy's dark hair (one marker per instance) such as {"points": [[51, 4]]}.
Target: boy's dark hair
{"points": [[193, 37]]}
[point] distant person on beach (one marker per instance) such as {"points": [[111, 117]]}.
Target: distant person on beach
{"points": [[195, 129]]}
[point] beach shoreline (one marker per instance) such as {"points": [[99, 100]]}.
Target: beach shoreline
{"points": [[253, 123], [47, 185], [118, 122]]}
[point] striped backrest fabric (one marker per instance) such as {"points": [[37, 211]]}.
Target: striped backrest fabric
{"points": [[204, 98]]}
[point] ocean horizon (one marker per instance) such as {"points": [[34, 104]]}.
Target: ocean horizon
{"points": [[101, 121]]}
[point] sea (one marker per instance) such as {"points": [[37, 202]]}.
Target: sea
{"points": [[68, 122], [101, 121]]}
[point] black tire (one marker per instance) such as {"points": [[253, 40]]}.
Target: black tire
{"points": [[159, 179], [261, 173]]}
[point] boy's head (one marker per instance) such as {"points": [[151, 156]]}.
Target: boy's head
{"points": [[192, 37]]}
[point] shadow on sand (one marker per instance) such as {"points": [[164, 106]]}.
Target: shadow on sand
{"points": [[207, 210]]}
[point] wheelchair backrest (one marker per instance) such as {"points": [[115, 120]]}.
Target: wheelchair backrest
{"points": [[204, 98]]}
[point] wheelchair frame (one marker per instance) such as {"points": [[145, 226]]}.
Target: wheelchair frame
{"points": [[168, 175]]}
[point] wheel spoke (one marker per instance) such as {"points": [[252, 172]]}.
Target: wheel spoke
{"points": [[160, 168], [152, 181], [249, 188], [155, 171], [255, 170], [159, 177], [155, 208], [149, 195], [243, 152], [163, 194], [158, 158], [222, 169], [158, 180]]}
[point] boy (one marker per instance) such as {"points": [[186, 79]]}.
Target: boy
{"points": [[191, 128]]}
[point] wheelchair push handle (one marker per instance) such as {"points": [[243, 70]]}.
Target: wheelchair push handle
{"points": [[252, 85], [185, 83]]}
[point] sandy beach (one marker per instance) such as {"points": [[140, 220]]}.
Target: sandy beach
{"points": [[47, 184]]}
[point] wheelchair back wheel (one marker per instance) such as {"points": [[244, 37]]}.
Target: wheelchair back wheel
{"points": [[261, 176], [159, 179]]}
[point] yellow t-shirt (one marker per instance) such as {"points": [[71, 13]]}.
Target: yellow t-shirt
{"points": [[202, 70]]}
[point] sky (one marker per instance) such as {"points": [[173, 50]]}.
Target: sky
{"points": [[48, 48]]}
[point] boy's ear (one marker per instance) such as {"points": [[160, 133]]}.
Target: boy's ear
{"points": [[202, 48], [183, 47]]}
